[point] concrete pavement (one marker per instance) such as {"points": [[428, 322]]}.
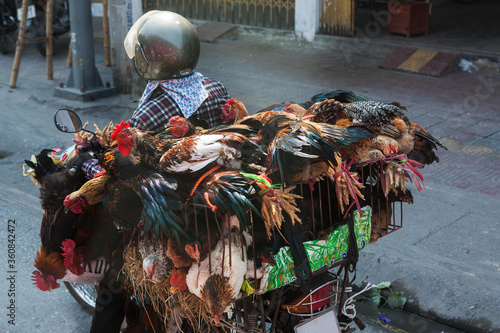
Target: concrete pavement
{"points": [[444, 258]]}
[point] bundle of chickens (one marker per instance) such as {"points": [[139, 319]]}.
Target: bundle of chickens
{"points": [[200, 214]]}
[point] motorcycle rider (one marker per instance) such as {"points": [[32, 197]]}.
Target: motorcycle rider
{"points": [[165, 48]]}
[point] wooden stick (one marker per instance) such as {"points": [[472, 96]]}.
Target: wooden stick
{"points": [[105, 27], [49, 32], [69, 61], [19, 45]]}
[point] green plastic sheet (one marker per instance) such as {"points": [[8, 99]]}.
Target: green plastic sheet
{"points": [[321, 253]]}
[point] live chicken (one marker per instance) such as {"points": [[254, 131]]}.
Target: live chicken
{"points": [[217, 280], [233, 111], [56, 181], [192, 154], [392, 129]]}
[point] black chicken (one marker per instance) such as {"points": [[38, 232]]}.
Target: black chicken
{"points": [[61, 232]]}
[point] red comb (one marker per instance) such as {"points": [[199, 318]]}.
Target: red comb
{"points": [[118, 128], [178, 281], [72, 261], [40, 283], [68, 247], [174, 118]]}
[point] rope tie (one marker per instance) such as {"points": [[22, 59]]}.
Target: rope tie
{"points": [[349, 310]]}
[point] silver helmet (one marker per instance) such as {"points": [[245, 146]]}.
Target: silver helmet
{"points": [[163, 45]]}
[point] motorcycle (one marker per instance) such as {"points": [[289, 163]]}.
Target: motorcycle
{"points": [[60, 21], [8, 25], [10, 11], [284, 309]]}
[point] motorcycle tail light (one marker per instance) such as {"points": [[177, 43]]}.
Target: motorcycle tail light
{"points": [[312, 302]]}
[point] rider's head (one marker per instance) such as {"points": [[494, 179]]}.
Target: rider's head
{"points": [[163, 45]]}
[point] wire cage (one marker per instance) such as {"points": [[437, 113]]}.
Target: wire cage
{"points": [[261, 310]]}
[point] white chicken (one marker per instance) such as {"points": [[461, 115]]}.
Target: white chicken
{"points": [[154, 261], [219, 285], [156, 266]]}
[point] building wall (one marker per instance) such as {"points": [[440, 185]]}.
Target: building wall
{"points": [[307, 15]]}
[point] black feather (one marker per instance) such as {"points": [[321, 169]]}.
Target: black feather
{"points": [[341, 95], [428, 137], [296, 235], [373, 113]]}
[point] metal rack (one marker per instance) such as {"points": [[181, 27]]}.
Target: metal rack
{"points": [[249, 309]]}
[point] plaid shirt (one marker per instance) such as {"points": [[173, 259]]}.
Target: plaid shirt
{"points": [[91, 168], [156, 112]]}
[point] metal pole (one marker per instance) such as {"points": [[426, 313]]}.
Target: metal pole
{"points": [[84, 83], [122, 15]]}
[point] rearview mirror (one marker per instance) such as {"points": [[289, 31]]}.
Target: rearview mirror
{"points": [[67, 121]]}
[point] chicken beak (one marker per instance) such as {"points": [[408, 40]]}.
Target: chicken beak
{"points": [[216, 319], [67, 209]]}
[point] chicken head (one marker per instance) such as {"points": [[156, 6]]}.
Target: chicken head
{"points": [[180, 126], [124, 138], [44, 283]]}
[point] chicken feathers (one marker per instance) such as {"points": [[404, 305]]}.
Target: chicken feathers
{"points": [[217, 280], [197, 153]]}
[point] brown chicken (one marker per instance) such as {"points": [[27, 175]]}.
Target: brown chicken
{"points": [[328, 111], [393, 132], [182, 256], [233, 111], [91, 193], [189, 155], [295, 109], [187, 253], [50, 268], [425, 145], [178, 127]]}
